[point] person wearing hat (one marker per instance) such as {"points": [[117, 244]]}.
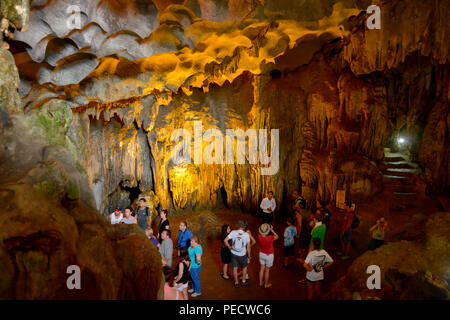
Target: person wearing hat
{"points": [[116, 217], [346, 230], [240, 251], [266, 237]]}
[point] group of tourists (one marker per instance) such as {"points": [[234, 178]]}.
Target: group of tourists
{"points": [[187, 269], [304, 228]]}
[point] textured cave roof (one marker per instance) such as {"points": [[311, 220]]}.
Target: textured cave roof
{"points": [[127, 49], [132, 48]]}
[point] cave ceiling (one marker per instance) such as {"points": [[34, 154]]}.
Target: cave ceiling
{"points": [[309, 67], [118, 50]]}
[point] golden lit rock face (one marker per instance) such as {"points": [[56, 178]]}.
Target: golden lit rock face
{"points": [[309, 68]]}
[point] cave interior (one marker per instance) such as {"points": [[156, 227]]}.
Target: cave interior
{"points": [[92, 96]]}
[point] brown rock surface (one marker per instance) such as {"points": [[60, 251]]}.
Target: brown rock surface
{"points": [[47, 222], [403, 266]]}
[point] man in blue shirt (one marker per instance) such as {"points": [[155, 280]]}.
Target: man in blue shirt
{"points": [[184, 236]]}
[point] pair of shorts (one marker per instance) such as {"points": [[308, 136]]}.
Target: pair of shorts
{"points": [[183, 286], [289, 251], [314, 280], [346, 236], [239, 261], [225, 253], [266, 259]]}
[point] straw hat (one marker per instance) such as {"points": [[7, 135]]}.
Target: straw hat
{"points": [[264, 229]]}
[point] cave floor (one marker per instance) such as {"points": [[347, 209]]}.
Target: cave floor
{"points": [[406, 222]]}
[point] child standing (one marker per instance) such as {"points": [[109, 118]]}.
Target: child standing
{"points": [[289, 242], [170, 290], [316, 261]]}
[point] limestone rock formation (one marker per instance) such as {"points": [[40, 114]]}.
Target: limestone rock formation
{"points": [[47, 218], [409, 269], [309, 65]]}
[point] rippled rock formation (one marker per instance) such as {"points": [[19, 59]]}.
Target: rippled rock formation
{"points": [[48, 219], [338, 92]]}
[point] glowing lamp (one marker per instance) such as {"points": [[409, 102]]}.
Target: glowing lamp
{"points": [[401, 140]]}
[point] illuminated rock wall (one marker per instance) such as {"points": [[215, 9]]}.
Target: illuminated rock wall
{"points": [[338, 92]]}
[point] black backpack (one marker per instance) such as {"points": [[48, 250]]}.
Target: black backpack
{"points": [[355, 222]]}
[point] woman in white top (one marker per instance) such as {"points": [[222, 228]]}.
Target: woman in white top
{"points": [[116, 217], [317, 260]]}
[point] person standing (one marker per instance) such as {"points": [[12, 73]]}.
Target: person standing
{"points": [[170, 290], [195, 255], [163, 224], [290, 233], [326, 212], [378, 231], [116, 217], [184, 236], [225, 252], [304, 234], [317, 260], [319, 230], [182, 271], [298, 202], [128, 218], [346, 230], [266, 253], [166, 248], [240, 247], [143, 215], [268, 206]]}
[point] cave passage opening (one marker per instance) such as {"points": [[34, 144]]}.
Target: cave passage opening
{"points": [[224, 197], [133, 192]]}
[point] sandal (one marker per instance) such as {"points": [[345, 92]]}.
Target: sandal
{"points": [[236, 285], [267, 286], [225, 278], [244, 283], [261, 285]]}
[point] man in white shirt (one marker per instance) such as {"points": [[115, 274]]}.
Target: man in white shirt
{"points": [[268, 206], [240, 251]]}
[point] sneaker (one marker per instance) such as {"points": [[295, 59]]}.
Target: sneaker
{"points": [[195, 294], [191, 290], [345, 257]]}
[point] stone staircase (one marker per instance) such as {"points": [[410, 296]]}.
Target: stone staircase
{"points": [[399, 175]]}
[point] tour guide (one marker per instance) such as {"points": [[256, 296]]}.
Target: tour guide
{"points": [[268, 206]]}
